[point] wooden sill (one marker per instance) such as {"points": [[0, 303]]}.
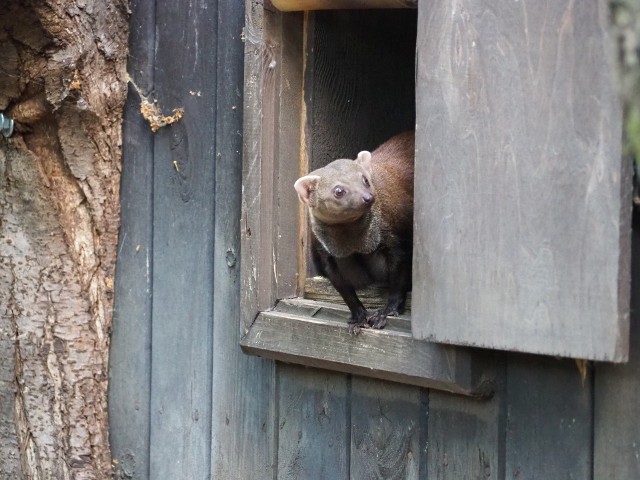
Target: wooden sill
{"points": [[297, 5], [316, 334]]}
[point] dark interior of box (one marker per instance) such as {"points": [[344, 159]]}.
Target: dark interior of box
{"points": [[359, 82]]}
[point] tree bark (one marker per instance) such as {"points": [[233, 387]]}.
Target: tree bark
{"points": [[63, 80]]}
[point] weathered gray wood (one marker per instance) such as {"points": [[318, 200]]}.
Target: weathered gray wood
{"points": [[130, 350], [262, 44], [289, 150], [617, 397], [466, 436], [388, 430], [308, 333], [294, 5], [549, 419], [320, 288], [184, 170], [313, 424], [243, 392], [522, 200]]}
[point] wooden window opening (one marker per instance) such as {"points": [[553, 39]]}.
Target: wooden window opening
{"points": [[512, 143], [321, 86]]}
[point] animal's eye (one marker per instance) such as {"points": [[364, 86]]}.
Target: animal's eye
{"points": [[365, 180], [339, 191]]}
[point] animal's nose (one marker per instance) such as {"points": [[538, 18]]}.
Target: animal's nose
{"points": [[367, 198]]}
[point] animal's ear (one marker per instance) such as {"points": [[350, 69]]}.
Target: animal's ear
{"points": [[305, 185], [364, 160]]}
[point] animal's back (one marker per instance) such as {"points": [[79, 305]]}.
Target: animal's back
{"points": [[393, 165]]}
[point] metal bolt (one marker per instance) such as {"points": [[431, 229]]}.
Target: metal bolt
{"points": [[6, 125]]}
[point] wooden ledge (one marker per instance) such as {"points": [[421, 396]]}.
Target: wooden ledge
{"points": [[297, 5], [316, 334]]}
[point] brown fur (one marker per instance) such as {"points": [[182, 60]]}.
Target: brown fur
{"points": [[359, 240]]}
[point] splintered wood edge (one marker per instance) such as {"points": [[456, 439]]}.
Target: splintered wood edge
{"points": [[389, 354]]}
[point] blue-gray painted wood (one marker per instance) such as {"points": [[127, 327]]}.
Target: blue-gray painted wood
{"points": [[466, 436], [183, 239], [243, 400], [549, 419], [313, 424], [387, 422], [617, 397], [130, 351]]}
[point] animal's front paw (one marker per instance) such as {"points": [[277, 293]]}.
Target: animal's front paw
{"points": [[378, 320], [356, 326]]}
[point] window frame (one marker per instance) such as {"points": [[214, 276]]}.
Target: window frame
{"points": [[271, 327]]}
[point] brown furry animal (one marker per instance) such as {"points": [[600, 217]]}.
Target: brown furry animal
{"points": [[361, 214]]}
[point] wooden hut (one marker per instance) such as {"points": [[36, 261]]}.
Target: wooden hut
{"points": [[230, 360]]}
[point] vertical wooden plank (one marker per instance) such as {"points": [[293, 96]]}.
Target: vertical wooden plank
{"points": [[130, 351], [617, 397], [185, 77], [549, 419], [466, 436], [243, 391], [387, 425], [289, 147], [522, 200], [313, 419], [262, 63]]}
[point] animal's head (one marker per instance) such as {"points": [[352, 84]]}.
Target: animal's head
{"points": [[341, 192]]}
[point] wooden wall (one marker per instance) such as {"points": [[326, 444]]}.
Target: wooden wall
{"points": [[185, 403]]}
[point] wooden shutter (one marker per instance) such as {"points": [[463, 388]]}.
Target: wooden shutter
{"points": [[522, 234]]}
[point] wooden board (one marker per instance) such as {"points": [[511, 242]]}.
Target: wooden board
{"points": [[243, 392], [522, 199], [388, 430], [372, 297], [617, 397], [549, 419], [313, 424], [130, 351], [466, 436], [316, 334], [293, 5], [183, 233]]}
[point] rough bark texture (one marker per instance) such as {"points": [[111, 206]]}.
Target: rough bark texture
{"points": [[63, 79]]}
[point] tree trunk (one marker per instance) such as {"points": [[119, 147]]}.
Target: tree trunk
{"points": [[63, 79]]}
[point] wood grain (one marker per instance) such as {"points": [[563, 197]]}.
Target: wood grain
{"points": [[258, 279], [466, 437], [183, 233], [313, 424], [549, 419], [388, 430], [320, 288], [363, 81], [522, 198], [243, 398], [293, 5], [130, 350], [316, 334]]}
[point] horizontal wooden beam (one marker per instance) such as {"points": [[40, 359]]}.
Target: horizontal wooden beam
{"points": [[316, 334], [297, 5]]}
